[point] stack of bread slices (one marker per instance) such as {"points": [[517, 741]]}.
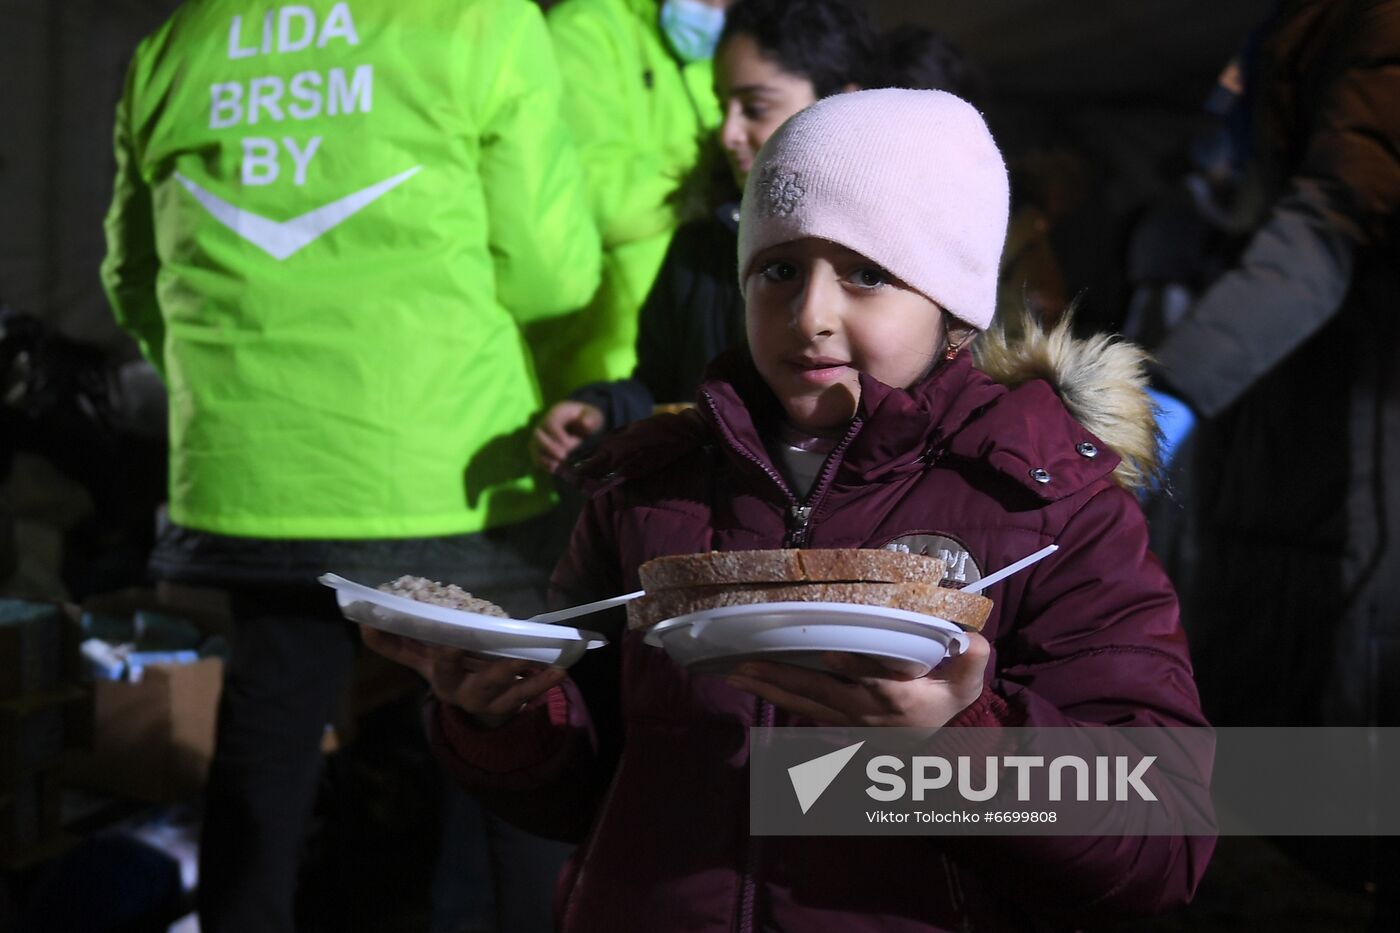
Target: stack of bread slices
{"points": [[686, 583]]}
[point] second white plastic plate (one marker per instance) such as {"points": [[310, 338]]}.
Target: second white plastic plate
{"points": [[557, 645]]}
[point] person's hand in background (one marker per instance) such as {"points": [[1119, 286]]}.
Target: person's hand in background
{"points": [[566, 425]]}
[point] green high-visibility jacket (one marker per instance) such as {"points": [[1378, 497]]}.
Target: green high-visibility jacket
{"points": [[638, 116], [330, 221]]}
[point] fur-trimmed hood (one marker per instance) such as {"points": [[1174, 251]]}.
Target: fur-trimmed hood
{"points": [[1101, 380]]}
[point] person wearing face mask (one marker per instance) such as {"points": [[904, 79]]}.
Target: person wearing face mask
{"points": [[774, 57], [637, 78]]}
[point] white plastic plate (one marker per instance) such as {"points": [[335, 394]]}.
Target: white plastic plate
{"points": [[490, 636], [715, 640]]}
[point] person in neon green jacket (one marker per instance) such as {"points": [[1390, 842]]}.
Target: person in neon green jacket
{"points": [[638, 98], [326, 231], [330, 222]]}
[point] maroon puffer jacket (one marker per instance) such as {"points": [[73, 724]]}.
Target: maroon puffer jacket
{"points": [[656, 786]]}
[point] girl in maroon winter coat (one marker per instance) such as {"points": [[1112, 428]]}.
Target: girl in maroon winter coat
{"points": [[869, 243]]}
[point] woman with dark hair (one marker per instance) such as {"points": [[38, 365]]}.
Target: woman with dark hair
{"points": [[774, 58], [829, 43]]}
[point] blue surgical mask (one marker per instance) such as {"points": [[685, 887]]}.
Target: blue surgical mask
{"points": [[692, 28]]}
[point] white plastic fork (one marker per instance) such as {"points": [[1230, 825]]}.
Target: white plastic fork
{"points": [[559, 615], [1008, 570]]}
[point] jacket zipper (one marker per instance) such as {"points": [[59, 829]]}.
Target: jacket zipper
{"points": [[799, 529], [955, 895], [798, 532], [800, 513], [754, 851], [746, 454], [799, 521]]}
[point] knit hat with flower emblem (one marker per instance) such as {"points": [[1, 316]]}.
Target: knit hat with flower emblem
{"points": [[910, 179]]}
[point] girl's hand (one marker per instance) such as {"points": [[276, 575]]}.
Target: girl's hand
{"points": [[864, 692], [489, 690]]}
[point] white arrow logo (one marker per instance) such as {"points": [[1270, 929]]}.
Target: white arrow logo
{"points": [[811, 778], [280, 240]]}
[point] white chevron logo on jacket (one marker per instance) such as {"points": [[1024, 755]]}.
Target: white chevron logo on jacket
{"points": [[281, 239]]}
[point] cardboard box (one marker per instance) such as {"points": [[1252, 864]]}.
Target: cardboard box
{"points": [[153, 740]]}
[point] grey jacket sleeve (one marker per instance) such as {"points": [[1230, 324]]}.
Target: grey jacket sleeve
{"points": [[1342, 197], [1290, 281]]}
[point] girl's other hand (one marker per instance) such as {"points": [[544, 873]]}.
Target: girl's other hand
{"points": [[862, 692], [489, 690], [566, 425]]}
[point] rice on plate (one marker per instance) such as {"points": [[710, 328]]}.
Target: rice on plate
{"points": [[441, 594]]}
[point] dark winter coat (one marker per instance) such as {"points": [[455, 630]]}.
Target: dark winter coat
{"points": [[1293, 356], [655, 783], [693, 313]]}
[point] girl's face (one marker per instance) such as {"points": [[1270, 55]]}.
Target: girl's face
{"points": [[756, 96], [818, 314]]}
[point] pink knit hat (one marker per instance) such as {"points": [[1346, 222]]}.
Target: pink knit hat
{"points": [[911, 179]]}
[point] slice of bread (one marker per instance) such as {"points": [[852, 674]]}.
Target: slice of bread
{"points": [[968, 610], [790, 565]]}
